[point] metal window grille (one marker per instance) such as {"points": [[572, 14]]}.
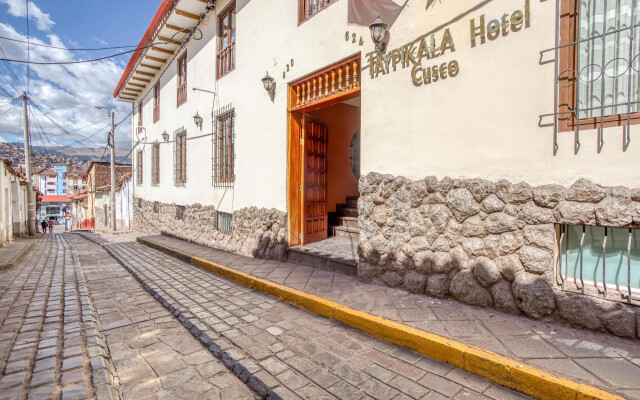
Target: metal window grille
{"points": [[156, 207], [600, 260], [139, 166], [155, 164], [180, 157], [224, 221], [180, 210], [182, 80], [223, 148], [597, 67], [139, 202]]}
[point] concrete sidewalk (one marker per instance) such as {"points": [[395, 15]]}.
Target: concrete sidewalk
{"points": [[11, 254], [607, 362]]}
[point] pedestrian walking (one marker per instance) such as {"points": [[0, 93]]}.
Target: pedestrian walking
{"points": [[50, 223], [44, 225]]}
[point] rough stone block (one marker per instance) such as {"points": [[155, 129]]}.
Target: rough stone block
{"points": [[391, 278], [503, 297], [536, 260], [480, 188], [543, 236], [510, 266], [414, 282], [500, 223], [620, 322], [585, 191], [533, 295], [485, 271], [614, 211], [578, 309], [462, 204], [438, 285], [465, 288], [548, 196]]}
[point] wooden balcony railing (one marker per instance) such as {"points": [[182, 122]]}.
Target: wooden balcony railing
{"points": [[227, 60], [156, 113], [182, 94], [337, 80]]}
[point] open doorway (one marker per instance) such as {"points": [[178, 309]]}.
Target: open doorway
{"points": [[324, 154]]}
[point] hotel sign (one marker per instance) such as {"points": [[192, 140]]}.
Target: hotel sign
{"points": [[428, 48]]}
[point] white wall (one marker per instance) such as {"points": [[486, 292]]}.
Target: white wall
{"points": [[482, 123]]}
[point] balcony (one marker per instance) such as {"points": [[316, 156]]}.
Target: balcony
{"points": [[227, 60], [182, 94]]}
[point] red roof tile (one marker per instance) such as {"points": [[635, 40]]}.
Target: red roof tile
{"points": [[55, 199]]}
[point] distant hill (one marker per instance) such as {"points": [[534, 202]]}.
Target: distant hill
{"points": [[80, 153]]}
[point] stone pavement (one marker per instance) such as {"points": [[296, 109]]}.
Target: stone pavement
{"points": [[297, 354], [153, 354], [604, 361], [50, 342]]}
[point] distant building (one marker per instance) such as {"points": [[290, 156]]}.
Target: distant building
{"points": [[98, 188], [46, 181], [54, 206], [61, 187], [76, 181]]}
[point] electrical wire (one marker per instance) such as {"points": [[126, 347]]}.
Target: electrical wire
{"points": [[65, 48], [8, 60], [28, 51]]}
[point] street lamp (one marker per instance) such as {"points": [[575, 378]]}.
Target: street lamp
{"points": [[198, 120], [378, 31], [269, 84]]}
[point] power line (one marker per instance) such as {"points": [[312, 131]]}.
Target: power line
{"points": [[28, 51], [65, 48], [8, 60]]}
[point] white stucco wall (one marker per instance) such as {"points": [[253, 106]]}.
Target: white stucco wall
{"points": [[482, 123]]}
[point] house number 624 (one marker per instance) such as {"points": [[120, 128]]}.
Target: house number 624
{"points": [[353, 38]]}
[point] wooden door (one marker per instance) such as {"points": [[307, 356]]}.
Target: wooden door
{"points": [[314, 195]]}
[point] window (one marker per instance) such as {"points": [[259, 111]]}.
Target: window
{"points": [[308, 8], [227, 41], [591, 255], [223, 221], [182, 79], [224, 155], [139, 167], [180, 212], [598, 72], [156, 102], [180, 157], [140, 114], [155, 164], [156, 207]]}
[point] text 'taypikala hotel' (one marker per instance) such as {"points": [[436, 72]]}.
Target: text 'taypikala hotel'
{"points": [[484, 150]]}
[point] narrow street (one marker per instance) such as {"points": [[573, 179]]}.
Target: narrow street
{"points": [[76, 324]]}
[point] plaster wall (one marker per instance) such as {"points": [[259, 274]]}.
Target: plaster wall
{"points": [[6, 228]]}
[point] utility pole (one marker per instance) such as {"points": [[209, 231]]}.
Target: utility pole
{"points": [[31, 198], [112, 138]]}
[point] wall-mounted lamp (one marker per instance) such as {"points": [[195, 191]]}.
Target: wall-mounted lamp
{"points": [[198, 120], [378, 31], [269, 85], [165, 136]]}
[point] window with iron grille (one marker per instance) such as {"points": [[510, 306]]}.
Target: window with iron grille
{"points": [[182, 79], [156, 102], [180, 157], [223, 148], [309, 8], [140, 113], [156, 207], [597, 73], [139, 159], [139, 202], [227, 41], [224, 221], [180, 212], [155, 164]]}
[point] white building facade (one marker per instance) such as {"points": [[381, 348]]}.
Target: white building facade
{"points": [[489, 146]]}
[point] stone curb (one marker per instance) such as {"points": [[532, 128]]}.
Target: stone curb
{"points": [[496, 368], [17, 258], [252, 381]]}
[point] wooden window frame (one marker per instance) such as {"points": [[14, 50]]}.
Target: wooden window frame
{"points": [[182, 80], [139, 167], [180, 158], [304, 9], [567, 99], [156, 102], [225, 158], [227, 54]]}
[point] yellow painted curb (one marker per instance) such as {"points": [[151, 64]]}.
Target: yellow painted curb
{"points": [[494, 367]]}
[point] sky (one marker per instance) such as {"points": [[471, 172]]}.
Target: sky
{"points": [[65, 96]]}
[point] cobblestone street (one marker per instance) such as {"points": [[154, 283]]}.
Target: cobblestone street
{"points": [[76, 324]]}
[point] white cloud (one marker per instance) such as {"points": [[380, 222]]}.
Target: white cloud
{"points": [[67, 93], [18, 8]]}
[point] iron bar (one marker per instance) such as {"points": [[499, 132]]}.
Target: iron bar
{"points": [[629, 264], [555, 86], [592, 38], [581, 250], [587, 109], [627, 139], [604, 258], [576, 137], [562, 229], [603, 75]]}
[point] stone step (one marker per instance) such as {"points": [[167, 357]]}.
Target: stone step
{"points": [[322, 261], [349, 222], [344, 231], [347, 212]]}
